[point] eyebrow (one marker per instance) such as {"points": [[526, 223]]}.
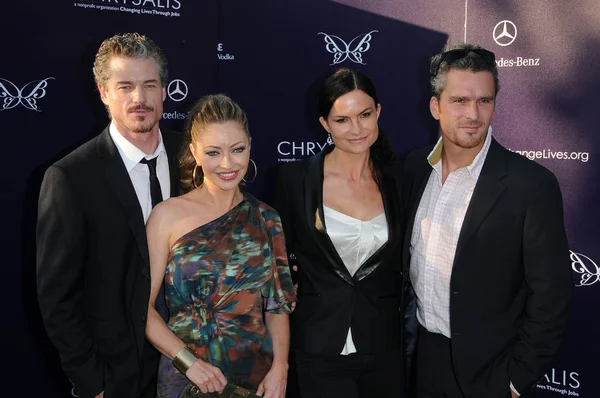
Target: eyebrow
{"points": [[231, 146], [370, 108], [453, 97], [131, 82]]}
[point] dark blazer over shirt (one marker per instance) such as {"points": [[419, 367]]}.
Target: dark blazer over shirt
{"points": [[93, 270], [511, 284], [330, 300]]}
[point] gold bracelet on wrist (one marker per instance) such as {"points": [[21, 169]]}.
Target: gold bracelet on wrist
{"points": [[184, 359]]}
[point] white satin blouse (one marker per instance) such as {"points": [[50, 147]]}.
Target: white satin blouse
{"points": [[355, 241]]}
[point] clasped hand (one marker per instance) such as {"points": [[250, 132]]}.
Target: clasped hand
{"points": [[206, 377]]}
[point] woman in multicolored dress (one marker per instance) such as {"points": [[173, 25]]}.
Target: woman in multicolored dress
{"points": [[221, 254]]}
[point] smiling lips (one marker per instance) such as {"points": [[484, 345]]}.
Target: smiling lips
{"points": [[231, 175], [358, 140]]}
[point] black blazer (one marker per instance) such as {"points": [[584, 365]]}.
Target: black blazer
{"points": [[93, 272], [511, 280], [329, 299]]}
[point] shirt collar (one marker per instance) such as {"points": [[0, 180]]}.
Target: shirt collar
{"points": [[474, 168], [130, 153]]}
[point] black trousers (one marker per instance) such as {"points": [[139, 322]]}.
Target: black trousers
{"points": [[349, 376], [434, 369]]}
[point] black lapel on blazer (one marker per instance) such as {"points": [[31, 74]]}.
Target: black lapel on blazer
{"points": [[119, 180], [172, 142], [487, 191], [418, 185], [391, 206], [313, 190]]}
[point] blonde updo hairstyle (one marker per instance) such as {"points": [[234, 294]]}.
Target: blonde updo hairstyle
{"points": [[210, 109]]}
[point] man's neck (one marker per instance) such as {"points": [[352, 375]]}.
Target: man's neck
{"points": [[455, 157]]}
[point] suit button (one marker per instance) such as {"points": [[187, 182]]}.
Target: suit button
{"points": [[456, 334], [144, 318], [455, 292], [147, 277]]}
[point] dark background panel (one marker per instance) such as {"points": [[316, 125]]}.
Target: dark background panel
{"points": [[270, 57]]}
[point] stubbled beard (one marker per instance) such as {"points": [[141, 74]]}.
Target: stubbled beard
{"points": [[143, 127]]}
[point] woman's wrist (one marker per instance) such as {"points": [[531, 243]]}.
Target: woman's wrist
{"points": [[280, 364], [184, 359]]}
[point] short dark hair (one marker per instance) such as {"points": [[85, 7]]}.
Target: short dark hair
{"points": [[472, 62]]}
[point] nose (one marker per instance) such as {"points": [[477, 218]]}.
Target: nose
{"points": [[472, 111], [139, 95], [225, 162], [356, 127]]}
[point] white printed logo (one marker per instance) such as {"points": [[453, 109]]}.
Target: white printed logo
{"points": [[291, 151], [352, 51], [26, 96], [589, 270], [223, 57], [177, 90], [505, 32]]}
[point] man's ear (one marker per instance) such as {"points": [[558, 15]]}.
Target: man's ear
{"points": [[434, 107], [103, 93]]}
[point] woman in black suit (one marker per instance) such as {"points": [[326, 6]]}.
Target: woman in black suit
{"points": [[341, 216]]}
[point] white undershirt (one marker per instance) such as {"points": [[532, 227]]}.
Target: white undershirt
{"points": [[355, 241], [139, 173]]}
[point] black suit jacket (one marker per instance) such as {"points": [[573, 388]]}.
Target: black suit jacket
{"points": [[511, 284], [330, 300], [92, 266]]}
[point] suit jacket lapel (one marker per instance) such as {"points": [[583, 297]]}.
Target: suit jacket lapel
{"points": [[487, 191], [389, 195], [313, 191], [172, 143], [119, 180]]}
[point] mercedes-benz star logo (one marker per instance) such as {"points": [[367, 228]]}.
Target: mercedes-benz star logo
{"points": [[177, 90], [505, 32]]}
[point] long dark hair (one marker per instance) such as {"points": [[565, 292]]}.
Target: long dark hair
{"points": [[341, 82]]}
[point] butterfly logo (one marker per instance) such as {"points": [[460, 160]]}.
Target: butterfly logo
{"points": [[27, 96], [352, 51], [586, 267]]}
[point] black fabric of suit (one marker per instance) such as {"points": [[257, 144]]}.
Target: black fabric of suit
{"points": [[93, 269], [330, 300], [511, 284]]}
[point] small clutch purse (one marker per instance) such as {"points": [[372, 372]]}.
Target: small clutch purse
{"points": [[230, 391]]}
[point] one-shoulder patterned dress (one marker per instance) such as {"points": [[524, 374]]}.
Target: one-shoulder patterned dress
{"points": [[221, 278]]}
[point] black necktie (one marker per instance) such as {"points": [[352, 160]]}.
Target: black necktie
{"points": [[156, 197], [155, 191]]}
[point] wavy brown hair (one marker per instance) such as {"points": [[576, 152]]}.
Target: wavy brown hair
{"points": [[215, 108]]}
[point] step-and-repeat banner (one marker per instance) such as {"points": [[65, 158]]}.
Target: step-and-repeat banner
{"points": [[271, 57]]}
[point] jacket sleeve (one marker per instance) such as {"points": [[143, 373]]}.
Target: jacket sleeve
{"points": [[549, 282], [282, 203], [61, 247]]}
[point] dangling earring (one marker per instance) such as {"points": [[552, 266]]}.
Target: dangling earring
{"points": [[329, 139], [194, 177], [255, 172]]}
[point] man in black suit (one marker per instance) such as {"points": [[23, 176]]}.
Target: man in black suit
{"points": [[485, 243], [92, 256]]}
